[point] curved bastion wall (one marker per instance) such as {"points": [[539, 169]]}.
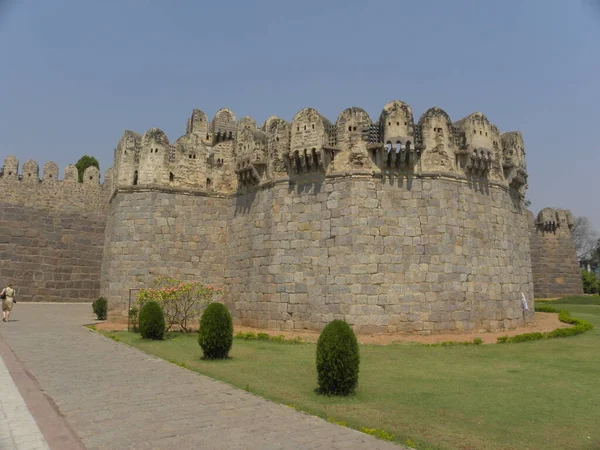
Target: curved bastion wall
{"points": [[555, 268], [390, 224]]}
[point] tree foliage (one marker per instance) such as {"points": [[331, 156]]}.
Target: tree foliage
{"points": [[182, 302], [584, 236], [85, 162], [591, 284]]}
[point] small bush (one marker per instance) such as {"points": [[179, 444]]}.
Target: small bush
{"points": [[338, 359], [216, 331], [100, 308], [249, 336], [477, 341], [133, 318], [591, 284], [152, 321], [263, 337], [527, 337]]}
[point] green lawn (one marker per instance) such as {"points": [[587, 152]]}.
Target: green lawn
{"points": [[533, 395], [575, 300]]}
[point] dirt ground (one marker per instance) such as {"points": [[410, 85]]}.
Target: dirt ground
{"points": [[543, 322]]}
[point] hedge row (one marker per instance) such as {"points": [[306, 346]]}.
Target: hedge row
{"points": [[581, 326], [250, 336]]}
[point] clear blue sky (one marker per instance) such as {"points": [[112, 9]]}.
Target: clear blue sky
{"points": [[75, 74]]}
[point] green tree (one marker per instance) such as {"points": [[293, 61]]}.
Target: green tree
{"points": [[85, 162]]}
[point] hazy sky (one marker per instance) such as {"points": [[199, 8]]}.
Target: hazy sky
{"points": [[74, 74]]}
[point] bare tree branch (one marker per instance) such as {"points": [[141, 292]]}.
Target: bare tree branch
{"points": [[584, 236]]}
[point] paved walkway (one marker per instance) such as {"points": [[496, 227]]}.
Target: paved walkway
{"points": [[116, 397], [18, 429]]}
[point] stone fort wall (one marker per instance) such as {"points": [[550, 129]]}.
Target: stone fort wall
{"points": [[556, 272], [392, 224], [383, 257], [52, 231]]}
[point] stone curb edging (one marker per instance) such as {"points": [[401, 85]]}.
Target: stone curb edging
{"points": [[58, 433]]}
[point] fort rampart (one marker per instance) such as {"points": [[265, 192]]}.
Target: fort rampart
{"points": [[556, 272], [52, 231], [390, 224]]}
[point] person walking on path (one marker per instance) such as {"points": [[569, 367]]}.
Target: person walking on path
{"points": [[8, 298]]}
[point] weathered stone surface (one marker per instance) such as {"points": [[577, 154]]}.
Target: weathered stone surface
{"points": [[52, 234], [298, 258], [554, 262]]}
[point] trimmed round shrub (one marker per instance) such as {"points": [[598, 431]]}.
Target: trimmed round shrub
{"points": [[216, 331], [100, 308], [151, 321], [337, 359]]}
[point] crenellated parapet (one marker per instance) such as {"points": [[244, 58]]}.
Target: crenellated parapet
{"points": [[30, 174], [48, 191], [225, 154], [551, 220]]}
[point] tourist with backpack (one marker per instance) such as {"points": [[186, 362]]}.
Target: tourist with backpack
{"points": [[8, 299]]}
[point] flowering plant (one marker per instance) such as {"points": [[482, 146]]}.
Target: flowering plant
{"points": [[182, 302]]}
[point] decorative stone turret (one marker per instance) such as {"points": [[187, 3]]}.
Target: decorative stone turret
{"points": [[223, 126], [514, 165], [278, 133], [350, 126], [476, 151], [400, 143], [252, 156], [314, 143], [439, 146]]}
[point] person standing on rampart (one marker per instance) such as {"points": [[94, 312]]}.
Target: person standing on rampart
{"points": [[8, 299]]}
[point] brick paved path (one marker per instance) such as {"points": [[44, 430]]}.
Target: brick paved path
{"points": [[18, 430], [116, 397]]}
